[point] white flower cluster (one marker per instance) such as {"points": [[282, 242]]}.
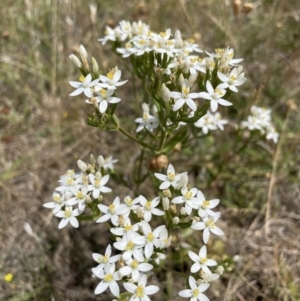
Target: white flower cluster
{"points": [[101, 90], [80, 189], [139, 40], [138, 244], [211, 122], [260, 119]]}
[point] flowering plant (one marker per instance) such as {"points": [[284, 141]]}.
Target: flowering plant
{"points": [[182, 92]]}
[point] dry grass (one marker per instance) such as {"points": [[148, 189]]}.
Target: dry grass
{"points": [[43, 132]]}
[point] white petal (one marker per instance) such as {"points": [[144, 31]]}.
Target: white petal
{"points": [[101, 287], [185, 293], [63, 223], [151, 289], [74, 222], [114, 288]]}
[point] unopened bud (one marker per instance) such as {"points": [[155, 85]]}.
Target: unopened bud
{"points": [[167, 193], [165, 93], [177, 147], [88, 199], [82, 165], [92, 159], [98, 175], [166, 203], [184, 179], [183, 211], [175, 220], [93, 12], [95, 66], [75, 60], [219, 270], [192, 79], [83, 52], [181, 80], [100, 161], [140, 212], [173, 208]]}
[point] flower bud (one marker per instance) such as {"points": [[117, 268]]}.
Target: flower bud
{"points": [[166, 203], [183, 211], [173, 208], [95, 66], [181, 80], [140, 212], [88, 199], [83, 52], [184, 179], [82, 165], [192, 79], [167, 193], [175, 220], [75, 60], [100, 161], [219, 270], [165, 93], [92, 159], [237, 7], [247, 8]]}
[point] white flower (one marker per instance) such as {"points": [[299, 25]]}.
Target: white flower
{"points": [[185, 97], [134, 268], [141, 291], [164, 239], [152, 238], [131, 243], [84, 85], [149, 208], [208, 225], [103, 99], [195, 293], [235, 78], [201, 262], [170, 179], [126, 227], [109, 277], [57, 203], [210, 122], [148, 121], [79, 198], [130, 203], [111, 81], [112, 212], [110, 35], [98, 183], [206, 206], [69, 215], [107, 258], [214, 95], [272, 134], [109, 163], [188, 197]]}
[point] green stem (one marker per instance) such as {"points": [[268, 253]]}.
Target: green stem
{"points": [[136, 140]]}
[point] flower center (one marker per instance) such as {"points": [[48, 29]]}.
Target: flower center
{"points": [[188, 195], [134, 264], [68, 213], [130, 246], [150, 237], [80, 195], [108, 278], [139, 291], [148, 205], [171, 176], [203, 260], [128, 201], [195, 293], [112, 208], [205, 204], [111, 74]]}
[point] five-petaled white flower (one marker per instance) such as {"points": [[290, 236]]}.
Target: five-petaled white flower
{"points": [[112, 211], [105, 259], [148, 121], [134, 267], [109, 279], [149, 208], [98, 183], [208, 225], [111, 81], [195, 292], [141, 291], [235, 78], [68, 215], [169, 179], [214, 95], [201, 262], [184, 97], [85, 85], [189, 198]]}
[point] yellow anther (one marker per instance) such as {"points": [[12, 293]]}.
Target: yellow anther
{"points": [[139, 292], [108, 278], [82, 78], [130, 246]]}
